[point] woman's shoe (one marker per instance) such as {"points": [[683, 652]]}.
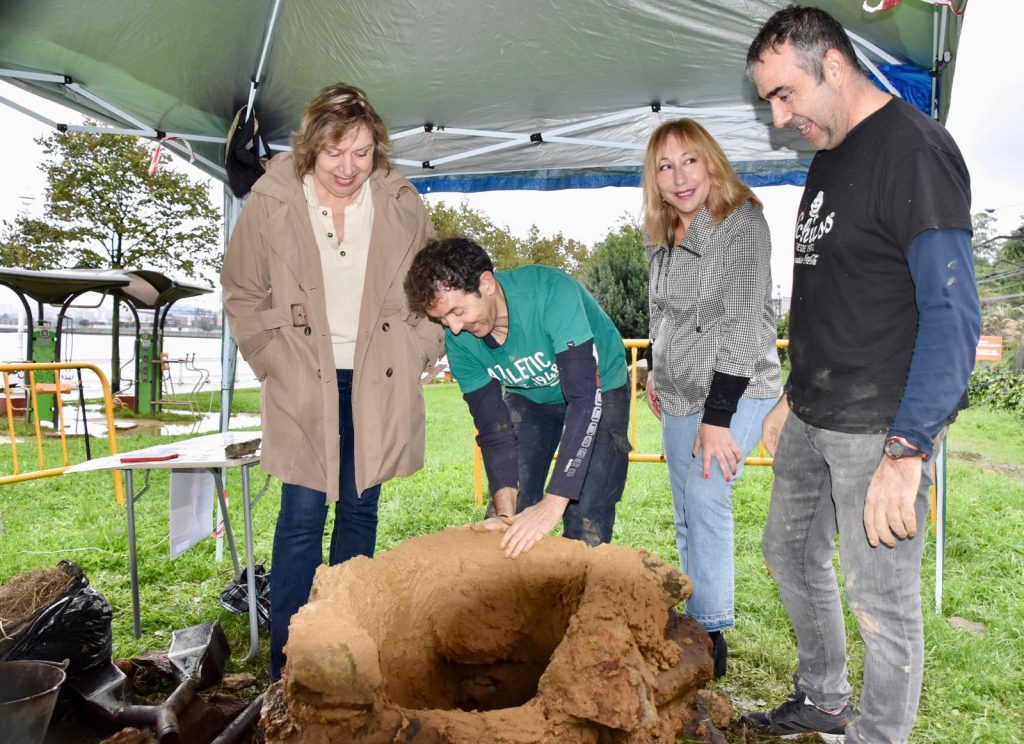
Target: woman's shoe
{"points": [[719, 652]]}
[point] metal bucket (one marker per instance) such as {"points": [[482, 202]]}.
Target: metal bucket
{"points": [[28, 692]]}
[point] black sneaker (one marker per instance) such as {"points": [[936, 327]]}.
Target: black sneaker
{"points": [[719, 652], [795, 716]]}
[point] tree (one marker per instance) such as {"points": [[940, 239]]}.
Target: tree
{"points": [[103, 210], [616, 276], [984, 230], [505, 249], [999, 267], [29, 243]]}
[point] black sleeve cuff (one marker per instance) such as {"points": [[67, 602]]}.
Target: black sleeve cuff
{"points": [[717, 417], [495, 436], [723, 397]]}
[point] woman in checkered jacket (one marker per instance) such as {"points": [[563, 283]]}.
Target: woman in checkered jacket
{"points": [[714, 370]]}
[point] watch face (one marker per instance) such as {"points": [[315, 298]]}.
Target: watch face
{"points": [[894, 448]]}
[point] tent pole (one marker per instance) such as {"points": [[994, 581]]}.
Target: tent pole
{"points": [[228, 358], [229, 349], [267, 37], [940, 463], [940, 522]]}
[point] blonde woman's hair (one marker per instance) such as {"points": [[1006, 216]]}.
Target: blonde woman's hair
{"points": [[335, 112], [727, 191]]}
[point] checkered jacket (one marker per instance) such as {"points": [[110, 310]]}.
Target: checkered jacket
{"points": [[710, 310]]}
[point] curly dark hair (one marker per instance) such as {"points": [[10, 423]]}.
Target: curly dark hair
{"points": [[452, 263], [811, 31]]}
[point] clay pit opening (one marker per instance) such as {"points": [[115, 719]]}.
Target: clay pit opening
{"points": [[444, 639], [467, 665]]}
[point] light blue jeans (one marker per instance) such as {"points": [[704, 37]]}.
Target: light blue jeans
{"points": [[703, 510], [821, 481]]}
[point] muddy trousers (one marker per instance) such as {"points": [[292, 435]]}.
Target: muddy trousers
{"points": [[538, 429], [821, 481]]}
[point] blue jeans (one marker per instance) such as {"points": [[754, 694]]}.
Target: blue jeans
{"points": [[538, 429], [821, 481], [703, 510], [298, 539]]}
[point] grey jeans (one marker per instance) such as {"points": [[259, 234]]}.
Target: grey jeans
{"points": [[821, 481]]}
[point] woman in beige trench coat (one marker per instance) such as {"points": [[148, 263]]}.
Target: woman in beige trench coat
{"points": [[312, 283]]}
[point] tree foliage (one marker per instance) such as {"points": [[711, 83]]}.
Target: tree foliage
{"points": [[985, 252], [506, 250], [29, 243], [999, 269], [103, 210], [616, 275], [999, 260]]}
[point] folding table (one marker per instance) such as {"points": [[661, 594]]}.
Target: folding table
{"points": [[204, 452]]}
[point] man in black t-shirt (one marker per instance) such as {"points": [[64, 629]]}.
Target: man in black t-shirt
{"points": [[883, 329]]}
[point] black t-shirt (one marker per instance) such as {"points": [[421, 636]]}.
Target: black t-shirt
{"points": [[854, 319]]}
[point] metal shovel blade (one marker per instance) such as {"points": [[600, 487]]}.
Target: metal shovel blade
{"points": [[104, 686], [200, 651]]}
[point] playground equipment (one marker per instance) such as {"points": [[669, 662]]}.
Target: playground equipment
{"points": [[139, 289], [42, 345], [23, 471]]}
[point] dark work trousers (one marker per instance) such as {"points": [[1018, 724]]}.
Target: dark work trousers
{"points": [[538, 430]]}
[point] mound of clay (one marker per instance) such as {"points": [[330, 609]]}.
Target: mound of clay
{"points": [[443, 639]]}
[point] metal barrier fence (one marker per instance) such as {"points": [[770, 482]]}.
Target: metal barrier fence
{"points": [[634, 345], [29, 409]]}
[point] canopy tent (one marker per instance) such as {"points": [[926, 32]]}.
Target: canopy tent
{"points": [[478, 95]]}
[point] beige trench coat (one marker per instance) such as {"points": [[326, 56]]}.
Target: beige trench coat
{"points": [[271, 274]]}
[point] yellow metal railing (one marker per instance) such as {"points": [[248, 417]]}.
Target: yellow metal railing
{"points": [[634, 345], [34, 389]]}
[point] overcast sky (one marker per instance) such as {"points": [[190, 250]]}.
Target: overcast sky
{"points": [[986, 118]]}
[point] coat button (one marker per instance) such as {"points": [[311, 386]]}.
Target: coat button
{"points": [[389, 372], [330, 235], [307, 330], [386, 327], [318, 375]]}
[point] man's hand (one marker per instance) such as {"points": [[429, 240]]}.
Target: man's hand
{"points": [[771, 428], [889, 506], [505, 501], [652, 398], [533, 523], [504, 507], [492, 524], [717, 442]]}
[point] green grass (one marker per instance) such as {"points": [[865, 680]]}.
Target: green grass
{"points": [[973, 689]]}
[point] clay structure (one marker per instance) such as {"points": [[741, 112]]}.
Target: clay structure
{"points": [[443, 639]]}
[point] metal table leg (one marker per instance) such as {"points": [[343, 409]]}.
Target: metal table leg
{"points": [[254, 639], [218, 481], [133, 566]]}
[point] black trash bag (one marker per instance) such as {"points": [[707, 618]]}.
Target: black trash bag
{"points": [[236, 597], [75, 626], [246, 153]]}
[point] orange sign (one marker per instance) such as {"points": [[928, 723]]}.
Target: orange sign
{"points": [[990, 349]]}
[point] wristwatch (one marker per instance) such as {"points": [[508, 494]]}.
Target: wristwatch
{"points": [[897, 448]]}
